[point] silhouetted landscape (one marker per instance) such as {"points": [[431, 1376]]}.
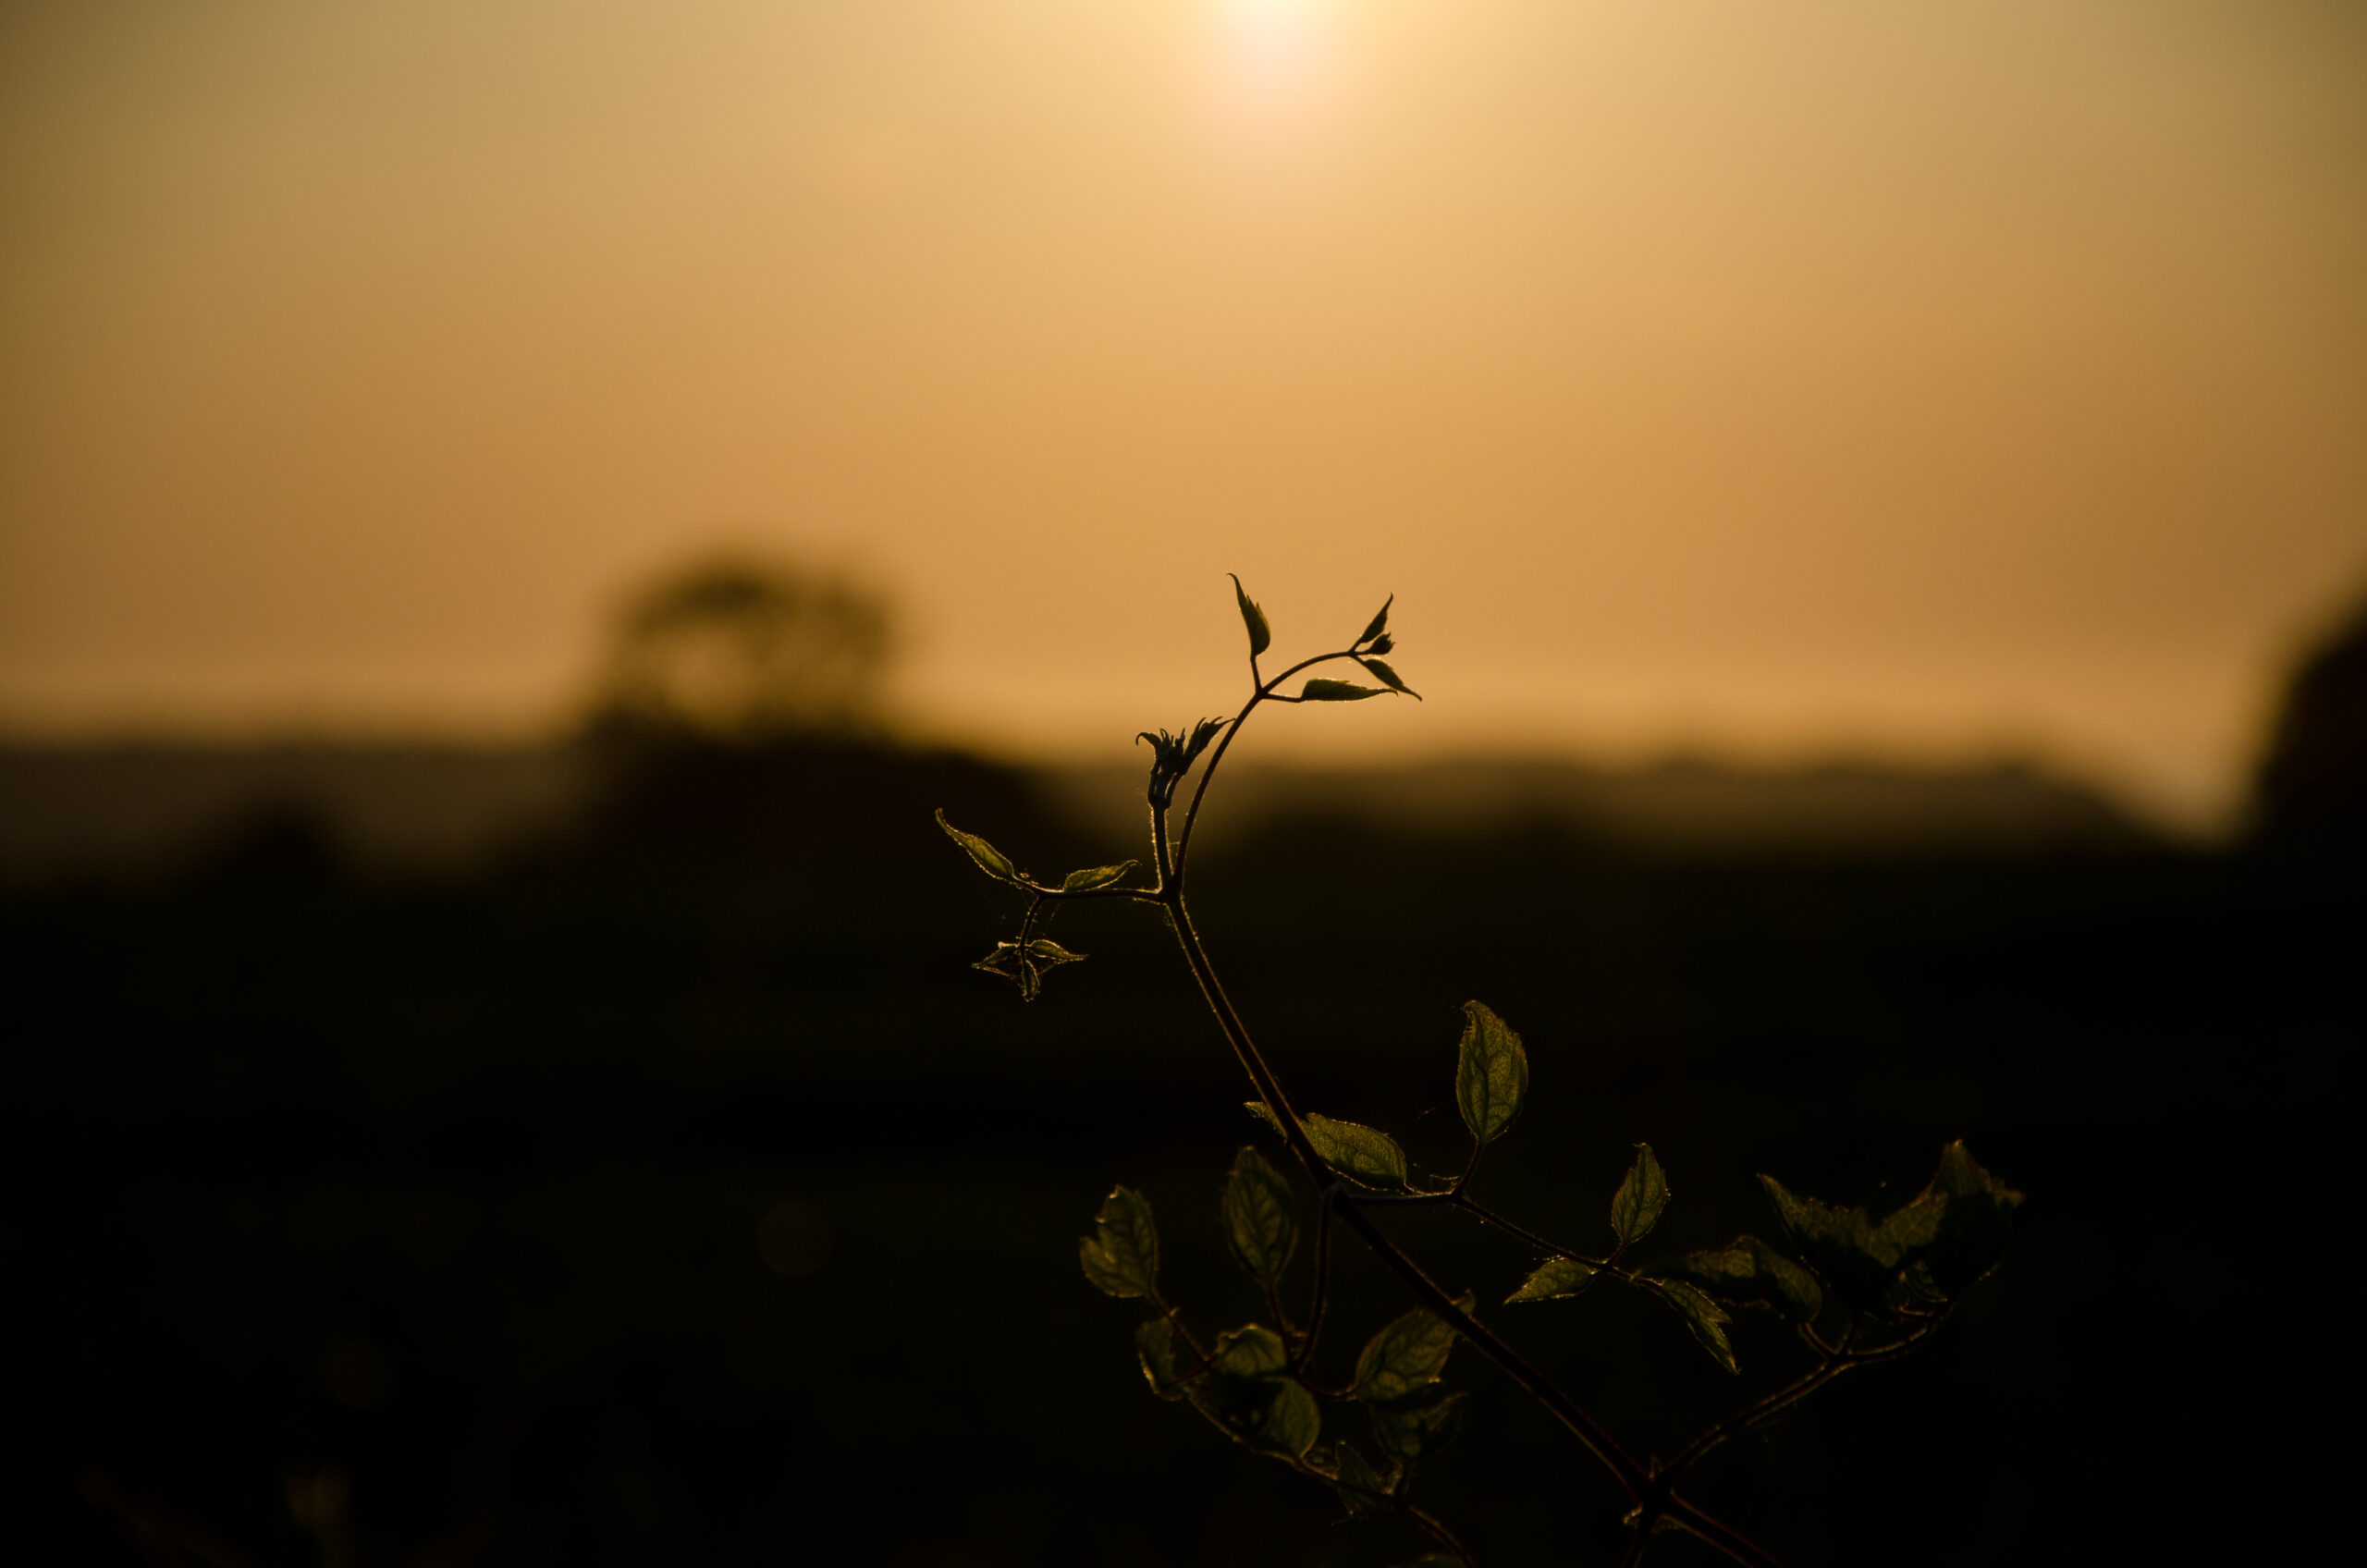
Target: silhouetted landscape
{"points": [[645, 1174]]}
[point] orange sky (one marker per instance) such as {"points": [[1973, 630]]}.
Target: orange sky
{"points": [[1776, 377]]}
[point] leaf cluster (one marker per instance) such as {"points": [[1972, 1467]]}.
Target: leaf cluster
{"points": [[1852, 1288]]}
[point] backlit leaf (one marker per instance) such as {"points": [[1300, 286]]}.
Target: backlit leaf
{"points": [[1362, 1489], [1250, 1395], [1155, 1348], [1490, 1073], [1554, 1276], [1748, 1269], [1251, 1350], [1359, 1153], [1265, 1113], [1979, 1221], [1261, 636], [1387, 676], [1293, 1422], [1409, 1432], [1099, 876], [1378, 624], [1322, 690], [1122, 1255], [1641, 1197], [1837, 1242], [1407, 1356], [991, 860], [1704, 1316], [1049, 954], [1259, 1229]]}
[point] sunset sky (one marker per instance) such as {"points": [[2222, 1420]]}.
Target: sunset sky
{"points": [[1924, 379]]}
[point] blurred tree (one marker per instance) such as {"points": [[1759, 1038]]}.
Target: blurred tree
{"points": [[2313, 782], [738, 650]]}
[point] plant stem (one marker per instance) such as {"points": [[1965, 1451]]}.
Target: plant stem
{"points": [[1648, 1490], [1631, 1477]]}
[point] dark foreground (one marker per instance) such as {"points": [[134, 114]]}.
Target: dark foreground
{"points": [[678, 1207]]}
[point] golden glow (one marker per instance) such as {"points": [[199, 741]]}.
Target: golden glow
{"points": [[1919, 378]]}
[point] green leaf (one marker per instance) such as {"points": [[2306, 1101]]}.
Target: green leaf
{"points": [[1841, 1244], [1361, 1488], [1251, 1396], [1251, 1350], [1748, 1269], [1049, 954], [1100, 876], [1641, 1197], [1261, 636], [1387, 676], [1293, 1422], [1976, 1225], [1410, 1431], [1407, 1356], [1554, 1276], [1265, 1113], [1378, 624], [991, 860], [1155, 1348], [1122, 1255], [1490, 1073], [1259, 1229], [1320, 689], [1704, 1316], [1005, 960], [1359, 1153]]}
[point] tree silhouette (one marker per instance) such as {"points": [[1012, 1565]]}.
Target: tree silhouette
{"points": [[2313, 782], [738, 650]]}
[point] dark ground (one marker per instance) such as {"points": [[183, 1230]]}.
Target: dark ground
{"points": [[688, 1200]]}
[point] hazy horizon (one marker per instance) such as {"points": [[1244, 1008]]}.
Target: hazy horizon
{"points": [[1831, 379]]}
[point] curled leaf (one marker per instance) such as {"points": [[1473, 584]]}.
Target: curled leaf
{"points": [[1173, 755], [1261, 636], [1155, 1348], [991, 860], [1705, 1317]]}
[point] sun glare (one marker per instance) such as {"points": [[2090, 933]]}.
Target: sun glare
{"points": [[1274, 61]]}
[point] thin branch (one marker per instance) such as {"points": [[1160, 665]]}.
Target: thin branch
{"points": [[1609, 1265], [1224, 742], [1322, 1276], [1430, 1526], [1742, 1421], [1724, 1536]]}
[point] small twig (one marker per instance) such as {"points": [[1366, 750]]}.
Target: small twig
{"points": [[1322, 1276]]}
